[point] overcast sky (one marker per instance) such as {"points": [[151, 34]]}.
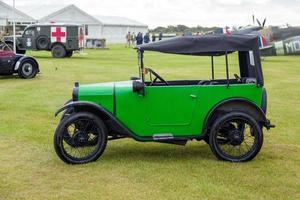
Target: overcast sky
{"points": [[188, 12]]}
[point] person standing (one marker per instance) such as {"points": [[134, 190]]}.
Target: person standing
{"points": [[160, 36], [153, 37], [147, 38], [128, 39], [133, 38], [139, 39]]}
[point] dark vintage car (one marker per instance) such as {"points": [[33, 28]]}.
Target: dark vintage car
{"points": [[11, 63]]}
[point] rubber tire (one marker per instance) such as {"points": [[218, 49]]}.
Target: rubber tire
{"points": [[58, 51], [58, 136], [20, 51], [34, 70], [42, 42], [225, 117], [69, 54]]}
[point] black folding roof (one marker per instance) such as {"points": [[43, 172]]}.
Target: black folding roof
{"points": [[207, 45]]}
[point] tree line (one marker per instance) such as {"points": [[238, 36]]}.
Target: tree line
{"points": [[183, 29]]}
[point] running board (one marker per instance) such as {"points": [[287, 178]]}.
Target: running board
{"points": [[169, 139], [162, 137]]}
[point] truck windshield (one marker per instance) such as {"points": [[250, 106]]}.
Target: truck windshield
{"points": [[29, 32]]}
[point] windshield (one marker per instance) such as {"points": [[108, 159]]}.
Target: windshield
{"points": [[30, 32]]}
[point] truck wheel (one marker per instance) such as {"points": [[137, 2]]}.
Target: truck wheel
{"points": [[58, 51], [236, 137], [28, 69], [69, 54], [42, 42], [20, 51], [73, 136]]}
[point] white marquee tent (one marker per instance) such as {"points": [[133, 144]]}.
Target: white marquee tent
{"points": [[6, 16], [113, 29]]}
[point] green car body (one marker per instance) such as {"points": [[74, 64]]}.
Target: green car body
{"points": [[223, 112], [177, 110]]}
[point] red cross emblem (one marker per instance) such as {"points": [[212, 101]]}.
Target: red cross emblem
{"points": [[58, 34]]}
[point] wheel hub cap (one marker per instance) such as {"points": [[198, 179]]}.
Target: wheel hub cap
{"points": [[27, 69], [236, 137]]}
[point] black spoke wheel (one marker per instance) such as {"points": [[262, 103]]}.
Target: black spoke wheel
{"points": [[80, 138], [236, 137]]}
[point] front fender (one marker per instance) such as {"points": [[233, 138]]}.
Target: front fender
{"points": [[82, 104], [24, 58], [113, 124]]}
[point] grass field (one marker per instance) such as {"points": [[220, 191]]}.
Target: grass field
{"points": [[30, 169]]}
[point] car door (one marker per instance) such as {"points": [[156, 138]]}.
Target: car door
{"points": [[6, 61], [170, 105], [158, 110]]}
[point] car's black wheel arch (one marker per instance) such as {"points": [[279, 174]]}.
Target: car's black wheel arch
{"points": [[27, 58], [109, 120], [233, 105]]}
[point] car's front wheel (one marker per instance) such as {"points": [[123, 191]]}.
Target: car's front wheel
{"points": [[28, 69], [236, 137], [80, 138]]}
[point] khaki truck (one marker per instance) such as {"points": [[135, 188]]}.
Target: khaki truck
{"points": [[60, 39]]}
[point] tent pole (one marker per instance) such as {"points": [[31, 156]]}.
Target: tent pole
{"points": [[14, 27], [227, 70], [212, 68]]}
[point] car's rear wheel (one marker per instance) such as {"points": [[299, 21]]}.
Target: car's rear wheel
{"points": [[236, 137], [58, 51], [80, 138], [28, 69]]}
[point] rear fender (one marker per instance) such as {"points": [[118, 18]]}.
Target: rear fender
{"points": [[236, 104]]}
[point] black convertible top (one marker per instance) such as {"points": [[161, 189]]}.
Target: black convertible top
{"points": [[247, 47], [208, 45]]}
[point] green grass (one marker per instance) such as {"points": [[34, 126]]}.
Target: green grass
{"points": [[30, 169]]}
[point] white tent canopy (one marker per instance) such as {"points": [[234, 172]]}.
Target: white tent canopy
{"points": [[113, 29], [6, 16]]}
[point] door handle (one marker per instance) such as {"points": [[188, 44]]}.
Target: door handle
{"points": [[193, 96]]}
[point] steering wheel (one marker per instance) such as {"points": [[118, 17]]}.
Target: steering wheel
{"points": [[157, 76]]}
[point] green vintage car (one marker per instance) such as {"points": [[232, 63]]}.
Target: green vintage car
{"points": [[228, 114]]}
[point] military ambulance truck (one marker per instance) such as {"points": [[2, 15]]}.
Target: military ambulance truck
{"points": [[60, 39]]}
